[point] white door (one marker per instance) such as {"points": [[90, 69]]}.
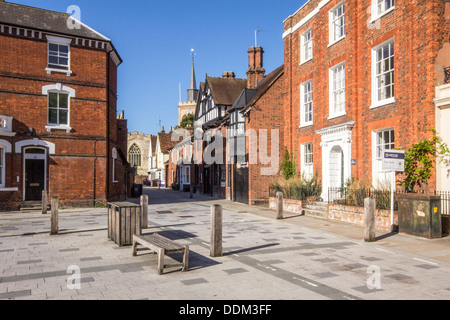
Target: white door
{"points": [[336, 167]]}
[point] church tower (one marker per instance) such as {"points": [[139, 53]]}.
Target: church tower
{"points": [[188, 107]]}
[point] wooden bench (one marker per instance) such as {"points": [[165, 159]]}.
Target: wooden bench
{"points": [[162, 246]]}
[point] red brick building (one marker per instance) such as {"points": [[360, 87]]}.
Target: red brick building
{"points": [[58, 109], [361, 78], [264, 115]]}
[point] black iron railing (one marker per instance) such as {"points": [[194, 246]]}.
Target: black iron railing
{"points": [[295, 192], [355, 197], [445, 202]]}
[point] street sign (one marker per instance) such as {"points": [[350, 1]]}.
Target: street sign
{"points": [[393, 160]]}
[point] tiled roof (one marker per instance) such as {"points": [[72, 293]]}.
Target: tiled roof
{"points": [[226, 90]]}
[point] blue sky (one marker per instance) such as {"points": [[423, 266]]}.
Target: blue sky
{"points": [[154, 38]]}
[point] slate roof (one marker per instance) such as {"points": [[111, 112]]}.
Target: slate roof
{"points": [[44, 20]]}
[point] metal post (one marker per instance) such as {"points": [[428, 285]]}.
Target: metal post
{"points": [[54, 217], [216, 231], [279, 205]]}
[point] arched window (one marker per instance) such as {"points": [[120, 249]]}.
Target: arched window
{"points": [[134, 156]]}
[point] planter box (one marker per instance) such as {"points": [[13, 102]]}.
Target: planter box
{"points": [[420, 215]]}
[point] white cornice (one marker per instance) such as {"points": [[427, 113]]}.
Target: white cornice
{"points": [[308, 17]]}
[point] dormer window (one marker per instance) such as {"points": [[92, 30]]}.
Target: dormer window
{"points": [[58, 55]]}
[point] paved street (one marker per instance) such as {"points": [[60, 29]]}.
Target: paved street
{"points": [[264, 259]]}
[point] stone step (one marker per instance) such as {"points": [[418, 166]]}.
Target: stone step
{"points": [[32, 206]]}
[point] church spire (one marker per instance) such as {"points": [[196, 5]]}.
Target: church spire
{"points": [[192, 91]]}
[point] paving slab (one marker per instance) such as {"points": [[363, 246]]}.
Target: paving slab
{"points": [[263, 258]]}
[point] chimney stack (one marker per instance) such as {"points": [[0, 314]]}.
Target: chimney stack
{"points": [[256, 70], [228, 75]]}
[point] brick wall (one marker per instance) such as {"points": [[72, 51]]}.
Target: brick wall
{"points": [[80, 170], [266, 114], [419, 30]]}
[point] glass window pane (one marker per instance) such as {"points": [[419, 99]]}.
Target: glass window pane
{"points": [[63, 101], [53, 116], [63, 49], [63, 61], [63, 117], [53, 47], [53, 100]]}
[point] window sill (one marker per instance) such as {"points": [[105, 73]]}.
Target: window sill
{"points": [[382, 103], [49, 128], [8, 189], [374, 19], [336, 41], [336, 115], [305, 61], [304, 125], [50, 70], [7, 133]]}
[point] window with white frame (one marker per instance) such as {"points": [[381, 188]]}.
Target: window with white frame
{"points": [[307, 160], [385, 140], [58, 108], [337, 23], [382, 140], [383, 87], [306, 106], [306, 49], [58, 54], [337, 90], [382, 6]]}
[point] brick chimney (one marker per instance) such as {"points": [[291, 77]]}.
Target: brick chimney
{"points": [[255, 67], [228, 75]]}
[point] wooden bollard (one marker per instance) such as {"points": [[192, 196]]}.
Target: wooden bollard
{"points": [[216, 231], [279, 205], [144, 211], [369, 219], [44, 201], [191, 195], [54, 217]]}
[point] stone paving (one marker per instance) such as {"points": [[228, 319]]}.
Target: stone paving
{"points": [[264, 259]]}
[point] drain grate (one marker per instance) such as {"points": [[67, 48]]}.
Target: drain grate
{"points": [[164, 212]]}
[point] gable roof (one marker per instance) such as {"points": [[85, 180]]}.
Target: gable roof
{"points": [[263, 86], [165, 141], [225, 90]]}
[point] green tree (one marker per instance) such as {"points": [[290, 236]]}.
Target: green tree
{"points": [[420, 160], [187, 121], [288, 165]]}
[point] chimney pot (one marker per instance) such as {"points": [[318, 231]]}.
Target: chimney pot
{"points": [[228, 75]]}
